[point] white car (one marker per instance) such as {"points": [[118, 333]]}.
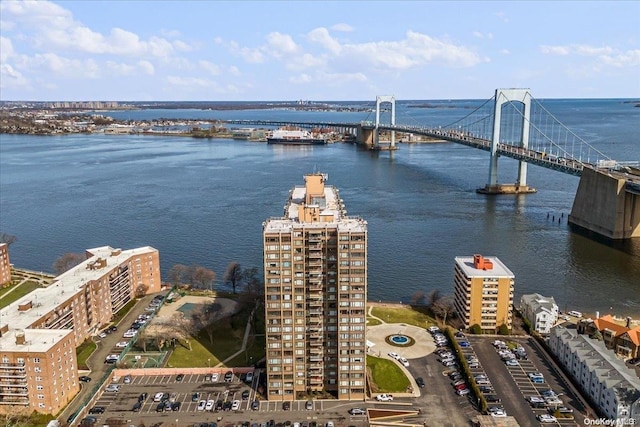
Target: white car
{"points": [[393, 355], [215, 377], [544, 418], [113, 388], [462, 392], [201, 405], [404, 361], [122, 344], [235, 405], [511, 362], [209, 405], [130, 333], [384, 398], [433, 329], [497, 412]]}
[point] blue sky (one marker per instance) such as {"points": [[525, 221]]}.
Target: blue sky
{"points": [[316, 50]]}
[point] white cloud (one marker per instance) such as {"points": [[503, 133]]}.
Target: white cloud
{"points": [[146, 67], [233, 70], [209, 67], [605, 55], [6, 48], [63, 67], [505, 51], [629, 58], [279, 44], [52, 27], [10, 77], [190, 81], [502, 16], [345, 28], [300, 79], [322, 37]]}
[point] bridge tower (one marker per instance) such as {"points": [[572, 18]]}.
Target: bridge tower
{"points": [[502, 97], [383, 99]]}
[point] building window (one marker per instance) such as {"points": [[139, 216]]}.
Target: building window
{"points": [[41, 396]]}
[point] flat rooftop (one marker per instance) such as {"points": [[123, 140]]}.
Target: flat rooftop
{"points": [[331, 211], [499, 269], [63, 287]]}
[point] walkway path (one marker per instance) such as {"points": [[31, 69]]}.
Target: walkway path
{"points": [[245, 339], [423, 346]]}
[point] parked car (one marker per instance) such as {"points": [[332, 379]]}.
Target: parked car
{"points": [[127, 379], [158, 396], [420, 382], [215, 377], [179, 377], [85, 379], [121, 344], [175, 406], [143, 397], [249, 377], [309, 405], [462, 392], [384, 397], [245, 394], [228, 376], [160, 407], [286, 406], [357, 411], [97, 410], [201, 405], [404, 361], [137, 406], [255, 405], [112, 388], [544, 418], [209, 405], [236, 405], [393, 355]]}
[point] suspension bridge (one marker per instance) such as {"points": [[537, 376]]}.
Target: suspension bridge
{"points": [[514, 124]]}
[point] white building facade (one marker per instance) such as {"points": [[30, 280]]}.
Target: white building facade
{"points": [[611, 386], [540, 311]]}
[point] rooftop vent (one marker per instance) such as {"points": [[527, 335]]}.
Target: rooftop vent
{"points": [[482, 263], [20, 339]]}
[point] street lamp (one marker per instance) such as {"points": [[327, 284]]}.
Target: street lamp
{"points": [[209, 362]]}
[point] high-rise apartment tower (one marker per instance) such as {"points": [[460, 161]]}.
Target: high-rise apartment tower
{"points": [[315, 269]]}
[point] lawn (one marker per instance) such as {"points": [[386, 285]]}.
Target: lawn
{"points": [[83, 352], [123, 311], [227, 339], [406, 315], [18, 293], [373, 322], [386, 376]]}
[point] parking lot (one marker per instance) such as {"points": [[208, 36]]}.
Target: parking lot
{"points": [[187, 394], [515, 388]]}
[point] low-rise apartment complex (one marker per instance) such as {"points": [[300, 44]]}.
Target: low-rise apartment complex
{"points": [[623, 339], [5, 266], [315, 269], [40, 331], [605, 379], [541, 312], [483, 292]]}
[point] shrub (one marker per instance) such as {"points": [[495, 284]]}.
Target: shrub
{"points": [[475, 329], [504, 330]]}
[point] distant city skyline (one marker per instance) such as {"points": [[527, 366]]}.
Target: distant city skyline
{"points": [[317, 51]]}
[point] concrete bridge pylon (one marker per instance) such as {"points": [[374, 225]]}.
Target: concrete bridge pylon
{"points": [[502, 97], [384, 99]]}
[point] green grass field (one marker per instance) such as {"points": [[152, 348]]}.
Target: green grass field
{"points": [[17, 293], [403, 315], [386, 375], [83, 351]]}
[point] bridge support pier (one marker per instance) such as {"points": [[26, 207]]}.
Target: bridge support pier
{"points": [[376, 141], [603, 205], [505, 96]]}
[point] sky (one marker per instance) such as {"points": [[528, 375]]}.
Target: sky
{"points": [[316, 50]]}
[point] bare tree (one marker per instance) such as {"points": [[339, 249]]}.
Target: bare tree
{"points": [[443, 307], [66, 262], [233, 275], [203, 277], [7, 238], [254, 287], [418, 298], [176, 274], [433, 297], [141, 290]]}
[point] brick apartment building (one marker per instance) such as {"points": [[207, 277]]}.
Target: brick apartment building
{"points": [[40, 331], [5, 266], [315, 269]]}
